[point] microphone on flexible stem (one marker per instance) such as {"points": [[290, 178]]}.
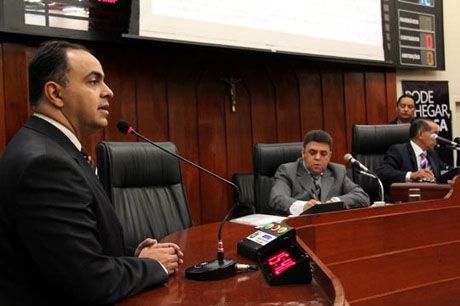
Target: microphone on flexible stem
{"points": [[439, 139], [457, 140], [349, 158], [363, 170], [212, 270]]}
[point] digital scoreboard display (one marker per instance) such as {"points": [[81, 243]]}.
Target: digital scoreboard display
{"points": [[413, 33]]}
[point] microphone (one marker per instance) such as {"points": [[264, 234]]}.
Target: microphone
{"points": [[443, 140], [457, 140], [206, 270], [363, 170], [349, 158]]}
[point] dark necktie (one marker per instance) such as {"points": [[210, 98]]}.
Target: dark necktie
{"points": [[317, 186], [423, 161]]}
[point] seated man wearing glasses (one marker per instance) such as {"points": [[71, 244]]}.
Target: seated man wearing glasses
{"points": [[313, 179], [415, 160]]}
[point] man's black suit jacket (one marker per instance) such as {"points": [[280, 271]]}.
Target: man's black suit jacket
{"points": [[60, 240], [399, 159]]}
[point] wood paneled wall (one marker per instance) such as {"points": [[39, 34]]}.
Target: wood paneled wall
{"points": [[176, 93]]}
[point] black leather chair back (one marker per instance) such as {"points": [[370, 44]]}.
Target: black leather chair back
{"points": [[145, 186], [267, 159], [245, 202], [369, 145]]}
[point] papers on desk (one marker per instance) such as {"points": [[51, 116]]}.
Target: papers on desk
{"points": [[258, 219]]}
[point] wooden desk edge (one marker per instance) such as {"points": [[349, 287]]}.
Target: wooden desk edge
{"points": [[325, 278]]}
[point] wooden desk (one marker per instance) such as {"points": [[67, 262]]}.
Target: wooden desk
{"points": [[405, 254], [428, 191], [200, 243]]}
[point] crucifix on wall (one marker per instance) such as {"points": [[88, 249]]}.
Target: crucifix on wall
{"points": [[231, 82]]}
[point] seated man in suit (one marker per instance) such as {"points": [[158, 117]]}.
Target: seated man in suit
{"points": [[61, 242], [312, 179], [414, 161], [405, 110]]}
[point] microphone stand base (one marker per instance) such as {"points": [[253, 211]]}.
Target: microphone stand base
{"points": [[212, 270]]}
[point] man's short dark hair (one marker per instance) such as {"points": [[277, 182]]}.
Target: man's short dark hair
{"points": [[317, 136], [49, 64], [405, 96], [419, 125]]}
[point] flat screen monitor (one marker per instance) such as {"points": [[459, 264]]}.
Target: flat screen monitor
{"points": [[341, 29]]}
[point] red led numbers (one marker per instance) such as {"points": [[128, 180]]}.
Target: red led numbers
{"points": [[280, 262], [429, 41]]}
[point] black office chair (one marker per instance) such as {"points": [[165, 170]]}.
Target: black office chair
{"points": [[369, 145], [245, 202], [145, 186], [267, 158]]}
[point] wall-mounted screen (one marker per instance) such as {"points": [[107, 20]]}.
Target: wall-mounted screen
{"points": [[345, 28]]}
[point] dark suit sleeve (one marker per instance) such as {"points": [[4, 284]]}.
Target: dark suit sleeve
{"points": [[56, 223], [389, 172], [441, 165]]}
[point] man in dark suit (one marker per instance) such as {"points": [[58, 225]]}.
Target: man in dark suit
{"points": [[313, 179], [60, 240], [414, 161], [405, 110]]}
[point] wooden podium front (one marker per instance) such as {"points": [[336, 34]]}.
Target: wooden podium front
{"points": [[405, 254], [399, 192]]}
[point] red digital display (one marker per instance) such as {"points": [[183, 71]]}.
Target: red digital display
{"points": [[108, 1], [429, 41], [280, 262]]}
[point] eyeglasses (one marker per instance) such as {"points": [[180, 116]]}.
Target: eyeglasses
{"points": [[315, 152]]}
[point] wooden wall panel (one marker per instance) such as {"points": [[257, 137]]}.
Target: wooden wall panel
{"points": [[238, 128], [355, 101], [151, 96], [263, 105], [182, 80], [334, 110], [212, 145], [16, 90], [311, 106], [177, 94], [287, 102], [2, 104], [376, 98], [390, 78]]}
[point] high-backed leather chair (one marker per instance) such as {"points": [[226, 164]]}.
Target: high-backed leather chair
{"points": [[245, 202], [267, 158], [145, 186], [369, 145]]}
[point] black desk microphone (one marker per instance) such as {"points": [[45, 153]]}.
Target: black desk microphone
{"points": [[207, 270]]}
